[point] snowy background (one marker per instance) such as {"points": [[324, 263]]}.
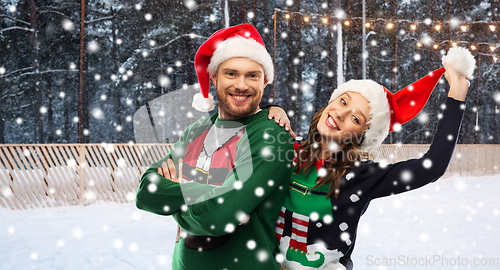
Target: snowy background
{"points": [[454, 218]]}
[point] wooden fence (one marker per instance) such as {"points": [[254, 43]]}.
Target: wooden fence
{"points": [[69, 174]]}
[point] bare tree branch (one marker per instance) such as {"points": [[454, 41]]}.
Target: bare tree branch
{"points": [[32, 72], [16, 71], [16, 28], [53, 11], [14, 19], [107, 18]]}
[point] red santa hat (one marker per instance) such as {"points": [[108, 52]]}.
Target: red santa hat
{"points": [[389, 111], [238, 41]]}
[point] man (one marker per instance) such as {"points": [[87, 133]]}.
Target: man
{"points": [[235, 173]]}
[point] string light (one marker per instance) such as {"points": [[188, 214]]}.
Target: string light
{"points": [[438, 26]]}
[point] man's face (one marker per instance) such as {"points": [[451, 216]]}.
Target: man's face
{"points": [[240, 85]]}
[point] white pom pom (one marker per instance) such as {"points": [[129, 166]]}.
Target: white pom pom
{"points": [[202, 104], [461, 59]]}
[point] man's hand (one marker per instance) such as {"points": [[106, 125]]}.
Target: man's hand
{"points": [[168, 171], [280, 118]]}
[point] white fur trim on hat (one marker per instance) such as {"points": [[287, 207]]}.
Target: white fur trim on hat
{"points": [[202, 104], [380, 114], [242, 47]]}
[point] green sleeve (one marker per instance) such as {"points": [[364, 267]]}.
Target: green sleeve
{"points": [[162, 196], [219, 211]]}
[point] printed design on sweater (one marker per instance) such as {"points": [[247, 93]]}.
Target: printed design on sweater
{"points": [[298, 239], [208, 160]]}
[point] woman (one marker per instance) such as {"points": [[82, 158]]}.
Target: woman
{"points": [[332, 182]]}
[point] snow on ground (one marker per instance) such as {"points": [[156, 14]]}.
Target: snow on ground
{"points": [[444, 225]]}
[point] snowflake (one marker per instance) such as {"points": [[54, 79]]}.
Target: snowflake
{"points": [[496, 97], [97, 113], [259, 192], [397, 127], [328, 219], [322, 172], [343, 226], [118, 243], [93, 46], [11, 230], [190, 4], [77, 233], [163, 81], [262, 255], [133, 247], [354, 198], [280, 258], [238, 185], [68, 25], [406, 176], [89, 195], [251, 244], [229, 228], [423, 118], [60, 243], [345, 236], [314, 216], [427, 163], [152, 187], [148, 17]]}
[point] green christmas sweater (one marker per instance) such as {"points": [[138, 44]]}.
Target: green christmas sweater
{"points": [[232, 193], [318, 232]]}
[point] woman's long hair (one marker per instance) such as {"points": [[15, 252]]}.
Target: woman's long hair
{"points": [[336, 165]]}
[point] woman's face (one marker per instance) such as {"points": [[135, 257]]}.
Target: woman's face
{"points": [[344, 120]]}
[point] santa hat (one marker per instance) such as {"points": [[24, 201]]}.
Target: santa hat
{"points": [[389, 111], [238, 41]]}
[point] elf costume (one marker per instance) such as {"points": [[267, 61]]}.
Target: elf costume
{"points": [[315, 231], [230, 198]]}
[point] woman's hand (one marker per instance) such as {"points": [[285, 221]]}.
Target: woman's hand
{"points": [[168, 171], [458, 84], [280, 118]]}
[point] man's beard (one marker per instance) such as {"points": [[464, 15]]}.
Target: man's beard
{"points": [[238, 111]]}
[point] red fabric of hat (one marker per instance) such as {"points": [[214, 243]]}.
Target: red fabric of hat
{"points": [[409, 101]]}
